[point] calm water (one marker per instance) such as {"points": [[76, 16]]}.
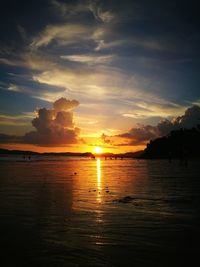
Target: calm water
{"points": [[73, 212]]}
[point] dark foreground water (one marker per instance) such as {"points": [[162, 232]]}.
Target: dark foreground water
{"points": [[73, 212]]}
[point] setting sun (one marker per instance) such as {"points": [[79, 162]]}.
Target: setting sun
{"points": [[98, 150]]}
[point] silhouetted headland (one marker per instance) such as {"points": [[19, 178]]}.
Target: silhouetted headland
{"points": [[181, 144]]}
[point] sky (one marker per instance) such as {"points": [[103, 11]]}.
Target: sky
{"points": [[77, 74]]}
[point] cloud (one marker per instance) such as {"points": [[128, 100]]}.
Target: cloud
{"points": [[46, 93], [10, 61], [5, 138], [103, 85], [63, 104], [64, 33], [157, 107], [68, 10], [146, 43], [143, 133], [54, 126], [99, 80], [190, 119], [18, 120], [139, 134], [105, 139], [31, 60], [79, 28], [101, 15], [14, 88], [89, 59]]}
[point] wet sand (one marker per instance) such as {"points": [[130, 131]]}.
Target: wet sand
{"points": [[77, 212]]}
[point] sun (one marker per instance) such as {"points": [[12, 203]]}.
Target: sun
{"points": [[98, 150]]}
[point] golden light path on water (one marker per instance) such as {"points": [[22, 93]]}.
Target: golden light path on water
{"points": [[98, 180]]}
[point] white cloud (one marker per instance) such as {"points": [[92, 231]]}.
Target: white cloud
{"points": [[69, 33], [105, 16], [89, 59]]}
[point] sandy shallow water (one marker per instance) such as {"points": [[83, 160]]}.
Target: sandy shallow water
{"points": [[82, 212]]}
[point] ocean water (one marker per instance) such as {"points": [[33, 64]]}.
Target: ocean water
{"points": [[84, 212]]}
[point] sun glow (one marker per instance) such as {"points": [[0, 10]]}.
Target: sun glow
{"points": [[98, 150]]}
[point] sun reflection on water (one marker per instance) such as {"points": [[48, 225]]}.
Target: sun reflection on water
{"points": [[98, 180]]}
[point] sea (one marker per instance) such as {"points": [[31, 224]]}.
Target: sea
{"points": [[65, 211]]}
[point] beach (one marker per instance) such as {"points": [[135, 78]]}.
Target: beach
{"points": [[59, 211]]}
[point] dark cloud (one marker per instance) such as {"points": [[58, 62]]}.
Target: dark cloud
{"points": [[190, 119], [53, 126], [5, 138], [144, 133], [140, 134]]}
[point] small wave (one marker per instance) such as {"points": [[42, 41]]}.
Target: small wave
{"points": [[129, 199], [126, 199]]}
